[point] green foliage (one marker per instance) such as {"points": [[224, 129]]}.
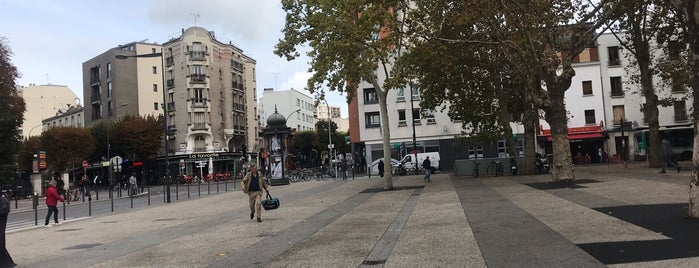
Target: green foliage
{"points": [[12, 108], [99, 131], [138, 137], [322, 131], [66, 146], [25, 156]]}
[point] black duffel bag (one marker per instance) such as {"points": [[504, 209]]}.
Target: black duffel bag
{"points": [[270, 202]]}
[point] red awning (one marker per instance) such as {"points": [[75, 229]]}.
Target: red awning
{"points": [[581, 136]]}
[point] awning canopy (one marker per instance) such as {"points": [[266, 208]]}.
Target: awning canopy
{"points": [[580, 136]]}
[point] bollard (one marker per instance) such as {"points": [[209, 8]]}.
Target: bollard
{"points": [[225, 185], [177, 192], [67, 197], [208, 187], [217, 186], [164, 200], [233, 183], [64, 211], [35, 203], [188, 190], [148, 196], [97, 193], [199, 188], [89, 205], [16, 198]]}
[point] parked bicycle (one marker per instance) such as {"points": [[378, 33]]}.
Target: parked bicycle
{"points": [[495, 168], [476, 172]]}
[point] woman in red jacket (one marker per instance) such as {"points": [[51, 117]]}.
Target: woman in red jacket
{"points": [[52, 199]]}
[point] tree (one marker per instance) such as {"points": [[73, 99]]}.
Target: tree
{"points": [[351, 42], [29, 147], [12, 108], [306, 146], [138, 137], [323, 136], [100, 131], [66, 147]]}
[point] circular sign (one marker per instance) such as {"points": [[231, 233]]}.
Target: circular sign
{"points": [[182, 162], [84, 164]]}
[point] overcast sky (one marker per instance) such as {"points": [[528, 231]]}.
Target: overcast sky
{"points": [[51, 39]]}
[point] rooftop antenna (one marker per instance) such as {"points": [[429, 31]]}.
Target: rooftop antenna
{"points": [[47, 79], [275, 80], [195, 18]]}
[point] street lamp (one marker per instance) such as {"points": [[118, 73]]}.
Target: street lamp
{"points": [[297, 110], [166, 130], [330, 139]]}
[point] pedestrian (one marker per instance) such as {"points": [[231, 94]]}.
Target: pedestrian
{"points": [[133, 184], [600, 153], [381, 168], [5, 258], [343, 166], [81, 184], [253, 183], [52, 199], [426, 165], [668, 155]]}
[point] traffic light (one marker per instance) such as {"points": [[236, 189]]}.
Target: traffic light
{"points": [[244, 148], [347, 139]]}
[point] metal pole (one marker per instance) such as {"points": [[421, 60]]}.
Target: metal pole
{"points": [[412, 110]]}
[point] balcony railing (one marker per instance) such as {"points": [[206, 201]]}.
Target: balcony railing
{"points": [[199, 126], [200, 148], [198, 79], [170, 106], [236, 65], [170, 83], [94, 81], [169, 61], [238, 107], [198, 55], [96, 97], [200, 103]]}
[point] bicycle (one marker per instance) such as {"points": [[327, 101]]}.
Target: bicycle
{"points": [[495, 168], [476, 172]]}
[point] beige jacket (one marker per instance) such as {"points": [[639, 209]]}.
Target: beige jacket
{"points": [[246, 182]]}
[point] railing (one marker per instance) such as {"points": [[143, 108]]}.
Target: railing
{"points": [[198, 55], [199, 126], [94, 81], [169, 61], [96, 97], [236, 65], [170, 83], [200, 148], [198, 78], [200, 103], [171, 106], [238, 107], [617, 93]]}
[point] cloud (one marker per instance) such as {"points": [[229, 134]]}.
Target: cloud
{"points": [[298, 81], [251, 21]]}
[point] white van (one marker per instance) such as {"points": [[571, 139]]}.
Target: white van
{"points": [[409, 163]]}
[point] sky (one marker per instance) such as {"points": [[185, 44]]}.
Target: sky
{"points": [[51, 39]]}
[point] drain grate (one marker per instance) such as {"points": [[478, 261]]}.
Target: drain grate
{"points": [[68, 230], [84, 246], [373, 262]]}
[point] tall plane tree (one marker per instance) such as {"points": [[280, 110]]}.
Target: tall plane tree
{"points": [[351, 41], [12, 108]]}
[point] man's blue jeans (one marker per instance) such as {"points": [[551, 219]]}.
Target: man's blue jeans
{"points": [[427, 174]]}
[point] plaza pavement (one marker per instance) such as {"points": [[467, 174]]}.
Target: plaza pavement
{"points": [[611, 216]]}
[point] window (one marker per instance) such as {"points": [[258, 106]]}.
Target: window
{"points": [[370, 96], [155, 70], [372, 120], [587, 87], [400, 95], [589, 116], [110, 108], [475, 152], [416, 116], [680, 111], [155, 87], [198, 95], [429, 115], [617, 90], [618, 113], [298, 103], [401, 118], [109, 89], [414, 92], [613, 56], [109, 70], [155, 106], [502, 149]]}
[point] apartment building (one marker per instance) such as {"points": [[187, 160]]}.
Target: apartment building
{"points": [[42, 102], [72, 116], [294, 104], [114, 87]]}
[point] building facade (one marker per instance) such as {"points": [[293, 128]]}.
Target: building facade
{"points": [[117, 87], [70, 117], [42, 102], [295, 105]]}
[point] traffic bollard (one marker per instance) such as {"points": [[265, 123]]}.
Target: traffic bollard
{"points": [[131, 201], [177, 191], [89, 205], [199, 188], [64, 211], [35, 203], [164, 195], [188, 190], [148, 189], [217, 186], [208, 187]]}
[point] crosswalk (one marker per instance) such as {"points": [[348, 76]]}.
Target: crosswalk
{"points": [[21, 225]]}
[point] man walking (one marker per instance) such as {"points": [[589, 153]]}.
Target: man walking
{"points": [[668, 160], [252, 184], [426, 165], [133, 185], [381, 168], [343, 166], [52, 199], [5, 258]]}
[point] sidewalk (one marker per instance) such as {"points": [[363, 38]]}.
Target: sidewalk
{"points": [[609, 217]]}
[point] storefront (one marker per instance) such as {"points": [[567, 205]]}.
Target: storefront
{"points": [[585, 144]]}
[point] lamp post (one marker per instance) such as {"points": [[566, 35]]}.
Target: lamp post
{"points": [[166, 130], [412, 111], [330, 139], [297, 110]]}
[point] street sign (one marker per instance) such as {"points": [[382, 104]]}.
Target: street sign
{"points": [[116, 161], [331, 146], [85, 164]]}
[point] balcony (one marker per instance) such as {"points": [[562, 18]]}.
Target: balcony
{"points": [[200, 103], [96, 97], [239, 107], [197, 55], [169, 61], [199, 126], [170, 106], [170, 83], [199, 148], [236, 65], [198, 79], [94, 81]]}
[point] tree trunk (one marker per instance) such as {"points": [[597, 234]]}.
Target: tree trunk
{"points": [[531, 120], [650, 110], [386, 134], [556, 116], [692, 13]]}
